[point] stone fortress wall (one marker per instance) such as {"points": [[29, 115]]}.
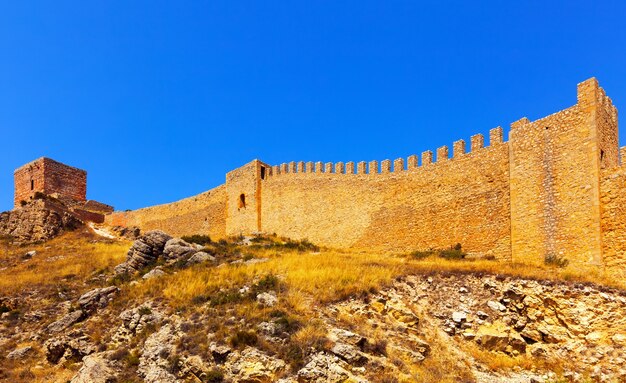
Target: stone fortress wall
{"points": [[555, 187]]}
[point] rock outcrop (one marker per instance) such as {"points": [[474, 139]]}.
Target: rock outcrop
{"points": [[36, 222], [144, 251]]}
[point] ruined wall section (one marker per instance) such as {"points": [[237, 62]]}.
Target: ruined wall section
{"points": [[555, 188], [464, 200], [202, 214], [64, 180], [28, 180]]}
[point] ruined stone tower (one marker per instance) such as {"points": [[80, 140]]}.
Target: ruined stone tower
{"points": [[49, 177]]}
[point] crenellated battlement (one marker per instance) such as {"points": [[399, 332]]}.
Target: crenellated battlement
{"points": [[374, 167], [555, 187]]}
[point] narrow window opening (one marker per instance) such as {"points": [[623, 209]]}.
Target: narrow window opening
{"points": [[32, 184], [601, 158], [242, 201], [262, 172]]}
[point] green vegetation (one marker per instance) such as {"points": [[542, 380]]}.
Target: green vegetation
{"points": [[453, 253]]}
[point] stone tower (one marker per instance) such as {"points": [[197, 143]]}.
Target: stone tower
{"points": [[50, 177]]}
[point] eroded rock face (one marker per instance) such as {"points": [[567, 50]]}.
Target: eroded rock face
{"points": [[254, 366], [144, 251], [96, 369], [154, 366], [34, 222]]}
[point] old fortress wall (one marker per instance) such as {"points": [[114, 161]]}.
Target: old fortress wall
{"points": [[555, 187]]}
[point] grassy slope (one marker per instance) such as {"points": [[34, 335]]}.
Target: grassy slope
{"points": [[74, 263]]}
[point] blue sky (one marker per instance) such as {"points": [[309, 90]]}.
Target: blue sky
{"points": [[157, 100]]}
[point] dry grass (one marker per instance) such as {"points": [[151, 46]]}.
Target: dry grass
{"points": [[332, 275], [75, 256]]}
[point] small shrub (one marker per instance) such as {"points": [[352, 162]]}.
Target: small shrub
{"points": [[452, 253], [418, 254], [200, 239], [200, 299], [268, 282], [144, 310], [243, 338], [379, 347], [285, 322], [131, 359], [225, 297], [23, 203], [39, 195], [214, 376], [555, 260], [120, 279]]}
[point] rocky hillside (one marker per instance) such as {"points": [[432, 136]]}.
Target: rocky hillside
{"points": [[265, 309]]}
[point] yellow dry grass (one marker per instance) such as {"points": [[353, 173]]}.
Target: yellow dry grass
{"points": [[73, 256], [331, 275]]}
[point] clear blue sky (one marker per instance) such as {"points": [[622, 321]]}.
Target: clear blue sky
{"points": [[158, 100]]}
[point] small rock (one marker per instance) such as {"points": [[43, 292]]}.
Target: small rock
{"points": [[97, 298], [19, 353], [29, 255], [177, 248], [496, 306], [200, 257], [268, 299], [459, 317], [66, 321], [154, 273], [463, 290], [219, 353], [482, 315], [619, 339]]}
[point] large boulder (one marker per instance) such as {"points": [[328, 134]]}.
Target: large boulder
{"points": [[144, 251], [177, 248]]}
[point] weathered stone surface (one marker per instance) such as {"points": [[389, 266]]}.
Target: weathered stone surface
{"points": [[200, 257], [177, 248], [35, 222], [95, 369], [72, 347], [97, 298], [144, 251], [154, 273], [66, 321], [254, 366], [267, 299], [324, 368], [153, 364], [20, 353], [497, 337]]}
